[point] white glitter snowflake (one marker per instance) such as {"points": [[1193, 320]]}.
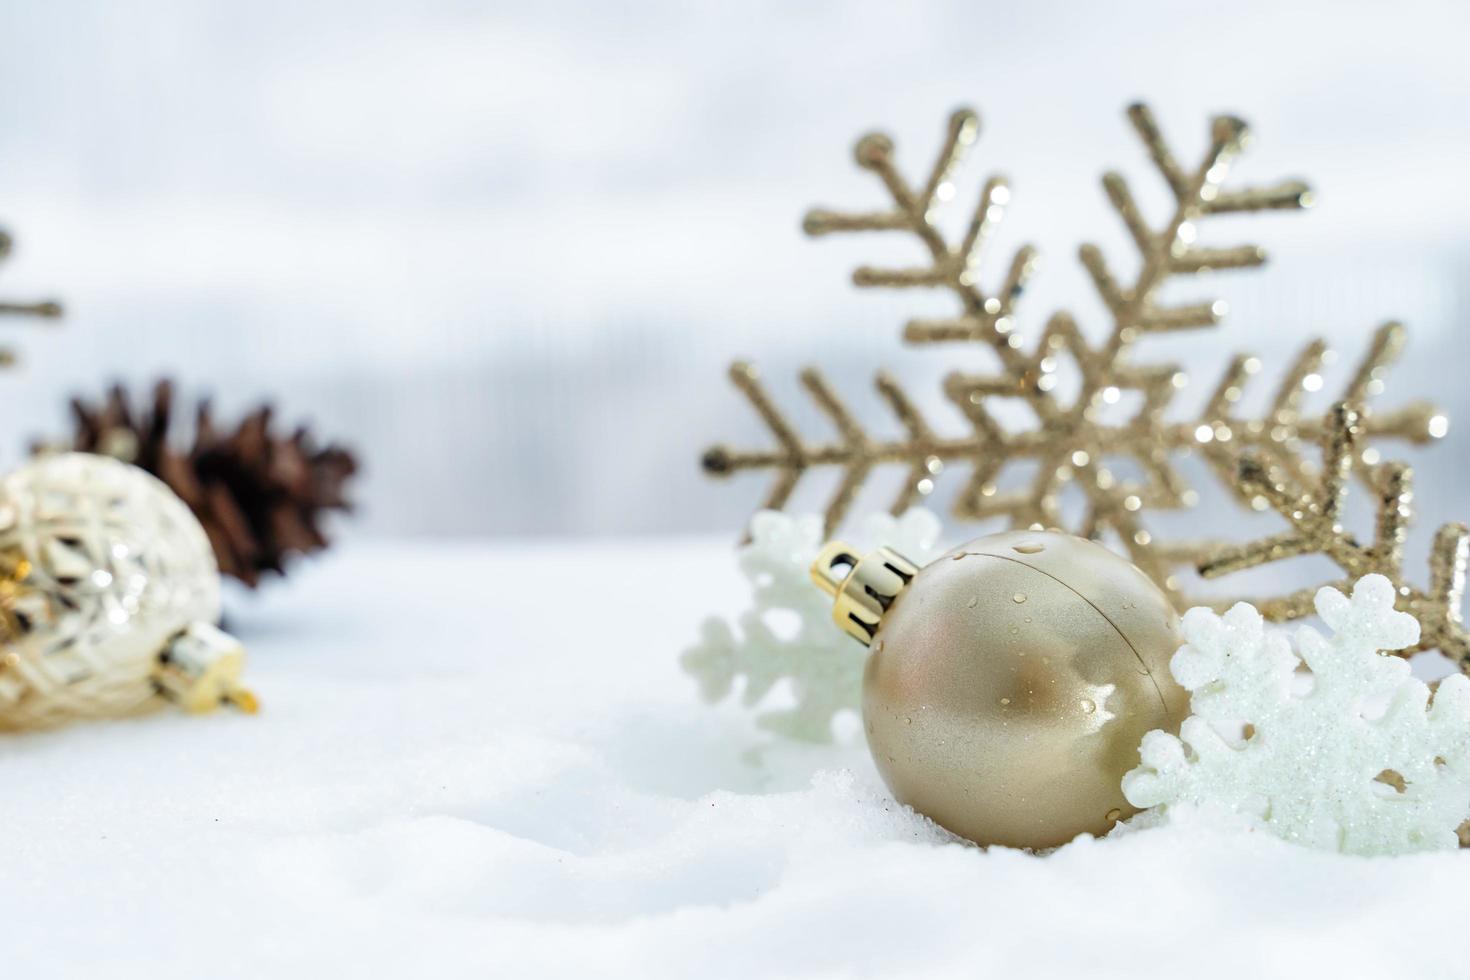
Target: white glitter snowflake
{"points": [[1344, 758], [787, 634]]}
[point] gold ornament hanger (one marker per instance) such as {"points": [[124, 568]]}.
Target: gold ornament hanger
{"points": [[1071, 441]]}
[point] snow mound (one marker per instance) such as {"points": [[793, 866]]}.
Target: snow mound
{"points": [[526, 793]]}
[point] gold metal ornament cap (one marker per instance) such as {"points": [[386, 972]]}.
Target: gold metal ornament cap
{"points": [[862, 589], [200, 670]]}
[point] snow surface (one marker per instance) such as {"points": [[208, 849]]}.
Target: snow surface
{"points": [[484, 761]]}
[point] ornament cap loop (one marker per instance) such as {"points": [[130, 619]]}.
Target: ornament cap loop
{"points": [[862, 589], [200, 670]]}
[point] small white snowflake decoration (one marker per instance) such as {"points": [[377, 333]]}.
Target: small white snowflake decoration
{"points": [[1350, 757], [787, 634]]}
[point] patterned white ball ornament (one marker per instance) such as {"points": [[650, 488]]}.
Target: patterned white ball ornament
{"points": [[108, 593]]}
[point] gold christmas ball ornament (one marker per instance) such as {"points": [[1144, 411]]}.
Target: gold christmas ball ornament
{"points": [[1010, 681], [108, 595]]}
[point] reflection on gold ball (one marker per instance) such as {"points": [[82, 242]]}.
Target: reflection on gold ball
{"points": [[1011, 681]]}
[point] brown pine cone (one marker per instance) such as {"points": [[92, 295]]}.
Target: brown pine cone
{"points": [[260, 496]]}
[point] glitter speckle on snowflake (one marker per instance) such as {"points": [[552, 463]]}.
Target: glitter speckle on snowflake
{"points": [[787, 634], [1348, 755]]}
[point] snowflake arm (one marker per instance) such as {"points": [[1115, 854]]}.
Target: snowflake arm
{"points": [[47, 309], [1354, 764], [822, 666], [1313, 507]]}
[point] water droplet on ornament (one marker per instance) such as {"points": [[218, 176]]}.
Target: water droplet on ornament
{"points": [[1005, 701], [1028, 549], [1088, 706], [1114, 814], [877, 646], [1019, 597], [1015, 628], [1028, 619], [958, 556], [974, 601], [908, 721]]}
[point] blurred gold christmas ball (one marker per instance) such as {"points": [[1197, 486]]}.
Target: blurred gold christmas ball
{"points": [[1010, 681], [108, 595]]}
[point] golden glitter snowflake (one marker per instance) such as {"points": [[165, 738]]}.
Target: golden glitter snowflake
{"points": [[47, 308], [1313, 506], [1073, 441]]}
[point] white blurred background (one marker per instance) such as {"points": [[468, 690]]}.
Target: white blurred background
{"points": [[507, 250]]}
